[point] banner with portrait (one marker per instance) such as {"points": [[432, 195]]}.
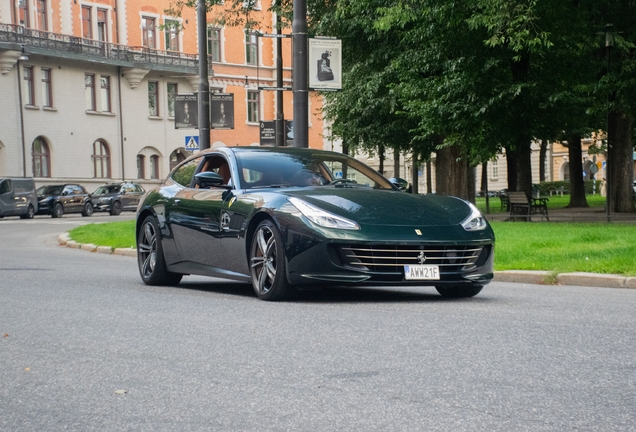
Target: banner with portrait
{"points": [[221, 110]]}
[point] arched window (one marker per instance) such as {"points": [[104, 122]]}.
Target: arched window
{"points": [[41, 158], [154, 167], [178, 156], [141, 161], [101, 160]]}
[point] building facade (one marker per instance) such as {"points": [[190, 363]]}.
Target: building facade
{"points": [[88, 88]]}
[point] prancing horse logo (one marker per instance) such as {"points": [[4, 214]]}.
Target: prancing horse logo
{"points": [[421, 258]]}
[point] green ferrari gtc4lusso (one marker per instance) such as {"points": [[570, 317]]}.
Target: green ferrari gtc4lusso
{"points": [[288, 219]]}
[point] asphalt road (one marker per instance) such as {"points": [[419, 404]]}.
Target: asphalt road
{"points": [[85, 346]]}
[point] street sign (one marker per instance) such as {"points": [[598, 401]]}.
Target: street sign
{"points": [[192, 143], [268, 133]]}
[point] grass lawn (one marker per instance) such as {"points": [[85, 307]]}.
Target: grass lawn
{"points": [[552, 246]]}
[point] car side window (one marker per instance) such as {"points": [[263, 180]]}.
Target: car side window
{"points": [[184, 173]]}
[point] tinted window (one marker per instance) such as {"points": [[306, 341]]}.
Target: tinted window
{"points": [[5, 186], [184, 173]]}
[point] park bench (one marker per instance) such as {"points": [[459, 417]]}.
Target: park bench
{"points": [[522, 207]]}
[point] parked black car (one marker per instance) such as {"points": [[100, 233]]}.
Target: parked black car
{"points": [[117, 197], [56, 200]]}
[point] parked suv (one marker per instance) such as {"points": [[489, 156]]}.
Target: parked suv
{"points": [[117, 197], [17, 197], [64, 198]]}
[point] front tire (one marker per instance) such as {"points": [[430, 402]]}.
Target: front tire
{"points": [[459, 291], [29, 214], [150, 259], [115, 208], [267, 263], [88, 209], [58, 211]]}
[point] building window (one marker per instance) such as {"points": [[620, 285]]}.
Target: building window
{"points": [[154, 167], [176, 157], [101, 160], [104, 85], [41, 15], [495, 168], [41, 158], [141, 161], [87, 22], [252, 106], [102, 27], [251, 48], [148, 32], [47, 90], [172, 93], [30, 89], [214, 43], [23, 13], [172, 35], [89, 85], [153, 98]]}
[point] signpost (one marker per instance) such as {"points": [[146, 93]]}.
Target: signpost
{"points": [[268, 133], [192, 143]]}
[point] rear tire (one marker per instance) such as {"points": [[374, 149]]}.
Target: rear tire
{"points": [[459, 291], [267, 263], [115, 208], [150, 259], [29, 214], [58, 211], [88, 209]]}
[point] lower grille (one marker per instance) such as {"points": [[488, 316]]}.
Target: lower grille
{"points": [[392, 259]]}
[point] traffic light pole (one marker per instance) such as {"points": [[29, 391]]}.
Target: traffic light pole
{"points": [[300, 85], [204, 85]]}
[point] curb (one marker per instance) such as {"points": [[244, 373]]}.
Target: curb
{"points": [[533, 277]]}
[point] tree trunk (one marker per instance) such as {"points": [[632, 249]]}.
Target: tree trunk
{"points": [[484, 184], [381, 157], [621, 162], [452, 173], [577, 184], [415, 175], [542, 155], [429, 177], [511, 170], [524, 168], [396, 163]]}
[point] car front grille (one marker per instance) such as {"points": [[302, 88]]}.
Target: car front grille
{"points": [[392, 259]]}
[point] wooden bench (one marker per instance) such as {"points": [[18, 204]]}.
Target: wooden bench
{"points": [[523, 208]]}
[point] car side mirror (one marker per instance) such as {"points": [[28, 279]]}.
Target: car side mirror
{"points": [[399, 183], [208, 179]]}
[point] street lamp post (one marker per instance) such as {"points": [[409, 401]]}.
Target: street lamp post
{"points": [[301, 76], [609, 42], [204, 85]]}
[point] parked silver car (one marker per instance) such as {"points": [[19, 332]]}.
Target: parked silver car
{"points": [[117, 197], [18, 198]]}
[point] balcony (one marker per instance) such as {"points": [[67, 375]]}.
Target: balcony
{"points": [[12, 37]]}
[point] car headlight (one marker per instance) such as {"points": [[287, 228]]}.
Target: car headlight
{"points": [[321, 217], [475, 221]]}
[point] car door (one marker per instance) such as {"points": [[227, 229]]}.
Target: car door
{"points": [[194, 218], [7, 198], [69, 199], [131, 195]]}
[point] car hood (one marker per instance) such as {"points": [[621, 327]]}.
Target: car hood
{"points": [[382, 207]]}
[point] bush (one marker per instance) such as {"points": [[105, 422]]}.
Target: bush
{"points": [[544, 188]]}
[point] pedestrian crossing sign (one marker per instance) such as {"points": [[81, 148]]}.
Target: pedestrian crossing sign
{"points": [[192, 143]]}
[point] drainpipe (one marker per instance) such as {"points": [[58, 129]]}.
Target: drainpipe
{"points": [[121, 123], [21, 119]]}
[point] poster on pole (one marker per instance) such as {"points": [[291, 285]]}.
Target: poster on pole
{"points": [[268, 133], [186, 111], [221, 110], [325, 64]]}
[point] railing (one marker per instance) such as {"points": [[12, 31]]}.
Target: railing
{"points": [[97, 49]]}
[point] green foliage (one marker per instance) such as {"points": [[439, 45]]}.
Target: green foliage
{"points": [[113, 234]]}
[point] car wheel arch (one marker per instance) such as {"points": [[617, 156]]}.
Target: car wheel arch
{"points": [[255, 220]]}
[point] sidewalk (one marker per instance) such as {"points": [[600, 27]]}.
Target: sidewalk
{"points": [[515, 276]]}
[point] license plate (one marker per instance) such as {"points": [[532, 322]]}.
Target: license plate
{"points": [[421, 272]]}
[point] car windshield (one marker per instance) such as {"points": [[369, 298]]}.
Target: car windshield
{"points": [[299, 169], [108, 189], [49, 190]]}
